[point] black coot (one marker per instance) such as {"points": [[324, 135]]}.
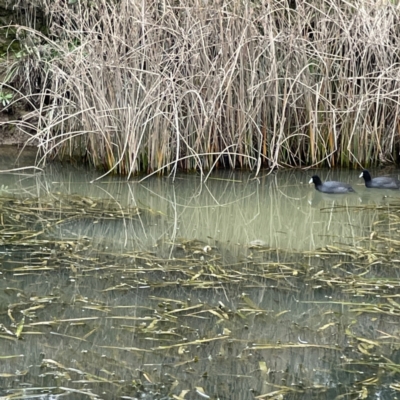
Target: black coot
{"points": [[380, 182], [331, 186]]}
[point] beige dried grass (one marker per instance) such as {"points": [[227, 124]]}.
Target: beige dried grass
{"points": [[155, 86]]}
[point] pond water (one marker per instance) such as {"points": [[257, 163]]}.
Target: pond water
{"points": [[240, 287]]}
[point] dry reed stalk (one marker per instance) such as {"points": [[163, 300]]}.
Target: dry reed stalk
{"points": [[146, 86]]}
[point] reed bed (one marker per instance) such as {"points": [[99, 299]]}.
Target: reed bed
{"points": [[156, 86]]}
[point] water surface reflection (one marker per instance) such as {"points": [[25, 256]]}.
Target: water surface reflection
{"points": [[281, 210], [237, 288]]}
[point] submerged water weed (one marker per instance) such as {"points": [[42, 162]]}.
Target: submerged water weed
{"points": [[186, 319]]}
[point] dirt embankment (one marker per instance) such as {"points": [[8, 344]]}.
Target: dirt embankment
{"points": [[9, 135]]}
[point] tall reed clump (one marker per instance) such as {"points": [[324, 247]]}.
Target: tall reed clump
{"points": [[158, 85]]}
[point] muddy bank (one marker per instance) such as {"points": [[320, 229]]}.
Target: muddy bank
{"points": [[13, 154], [10, 135]]}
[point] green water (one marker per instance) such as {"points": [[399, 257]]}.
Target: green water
{"points": [[179, 303]]}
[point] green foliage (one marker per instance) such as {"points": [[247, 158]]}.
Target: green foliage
{"points": [[5, 98]]}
